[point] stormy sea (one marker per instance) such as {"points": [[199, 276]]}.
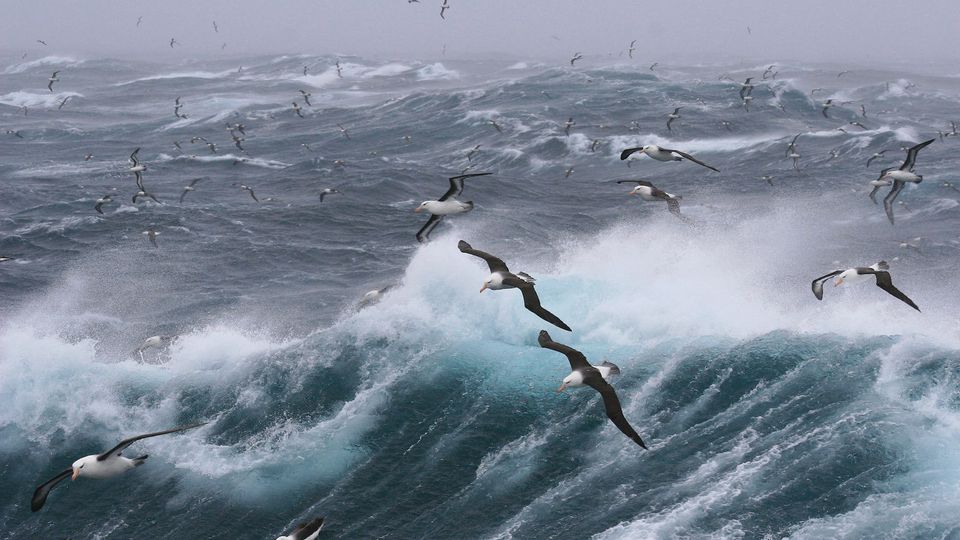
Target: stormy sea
{"points": [[433, 412]]}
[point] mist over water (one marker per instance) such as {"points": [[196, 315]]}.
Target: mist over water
{"points": [[433, 413]]}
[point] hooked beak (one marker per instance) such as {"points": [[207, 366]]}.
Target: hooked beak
{"points": [[631, 193], [483, 288], [418, 209], [562, 388], [838, 283], [76, 473]]}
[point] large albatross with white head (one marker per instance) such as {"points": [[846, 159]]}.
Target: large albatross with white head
{"points": [[650, 192], [584, 374], [663, 154], [447, 204], [853, 275], [502, 278], [105, 465], [305, 531]]}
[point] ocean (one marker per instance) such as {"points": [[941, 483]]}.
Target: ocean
{"points": [[433, 413]]}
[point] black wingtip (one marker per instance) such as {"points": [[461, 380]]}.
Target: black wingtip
{"points": [[626, 153], [462, 245], [543, 338]]}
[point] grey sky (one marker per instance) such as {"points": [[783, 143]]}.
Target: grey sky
{"points": [[666, 30]]}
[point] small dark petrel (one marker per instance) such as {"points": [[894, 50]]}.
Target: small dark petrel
{"points": [[663, 154], [901, 176], [305, 531], [650, 192], [447, 204], [105, 465], [856, 274], [584, 374], [502, 278]]}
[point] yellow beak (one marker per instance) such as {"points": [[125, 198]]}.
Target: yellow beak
{"points": [[838, 283], [417, 209], [483, 288], [562, 388], [76, 473]]}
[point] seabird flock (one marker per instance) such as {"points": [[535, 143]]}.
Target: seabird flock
{"points": [[112, 462]]}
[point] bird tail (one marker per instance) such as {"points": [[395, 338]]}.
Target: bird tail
{"points": [[468, 204], [882, 265], [138, 461], [614, 369]]}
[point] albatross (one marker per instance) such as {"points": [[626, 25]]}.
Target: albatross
{"points": [[853, 275], [502, 278], [650, 192], [584, 374], [901, 176], [447, 204], [305, 531], [663, 154], [105, 465]]}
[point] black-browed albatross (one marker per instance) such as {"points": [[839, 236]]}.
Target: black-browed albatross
{"points": [[663, 154], [901, 176], [584, 374], [105, 465], [305, 531], [502, 278], [851, 275], [447, 204]]}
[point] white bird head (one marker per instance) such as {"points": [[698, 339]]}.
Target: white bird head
{"points": [[424, 206], [78, 466]]}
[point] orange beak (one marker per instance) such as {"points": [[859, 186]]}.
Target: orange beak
{"points": [[562, 388], [76, 473], [417, 209], [838, 283], [483, 288]]}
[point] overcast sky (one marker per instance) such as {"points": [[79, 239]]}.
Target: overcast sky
{"points": [[873, 31]]}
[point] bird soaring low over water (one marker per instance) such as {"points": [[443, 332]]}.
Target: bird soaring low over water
{"points": [[305, 531], [663, 154], [105, 465], [502, 278], [446, 205], [853, 275], [650, 192], [584, 374], [901, 176]]}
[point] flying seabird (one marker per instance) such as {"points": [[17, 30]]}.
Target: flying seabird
{"points": [[63, 102], [746, 88], [858, 124], [447, 204], [472, 152], [584, 374], [496, 126], [249, 190], [501, 278], [663, 154], [306, 97], [878, 270], [215, 27], [15, 133], [4, 258], [343, 131], [653, 65], [875, 156], [576, 56], [768, 179], [306, 531], [673, 116], [173, 42], [151, 235], [327, 191], [296, 109], [42, 42], [863, 110], [834, 154], [102, 201], [951, 186], [340, 70], [650, 192], [105, 465], [53, 78], [189, 188], [372, 297], [443, 8], [594, 143], [139, 20], [632, 48], [901, 176], [566, 127], [87, 157], [826, 105], [212, 147], [568, 172], [880, 182]]}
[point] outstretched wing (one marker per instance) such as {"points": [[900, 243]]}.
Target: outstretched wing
{"points": [[638, 182], [496, 264], [532, 302], [40, 495], [424, 233], [885, 283], [892, 196], [673, 204], [306, 530], [576, 358], [817, 284], [456, 185], [629, 151], [116, 450], [912, 155], [691, 158], [873, 194], [612, 405]]}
